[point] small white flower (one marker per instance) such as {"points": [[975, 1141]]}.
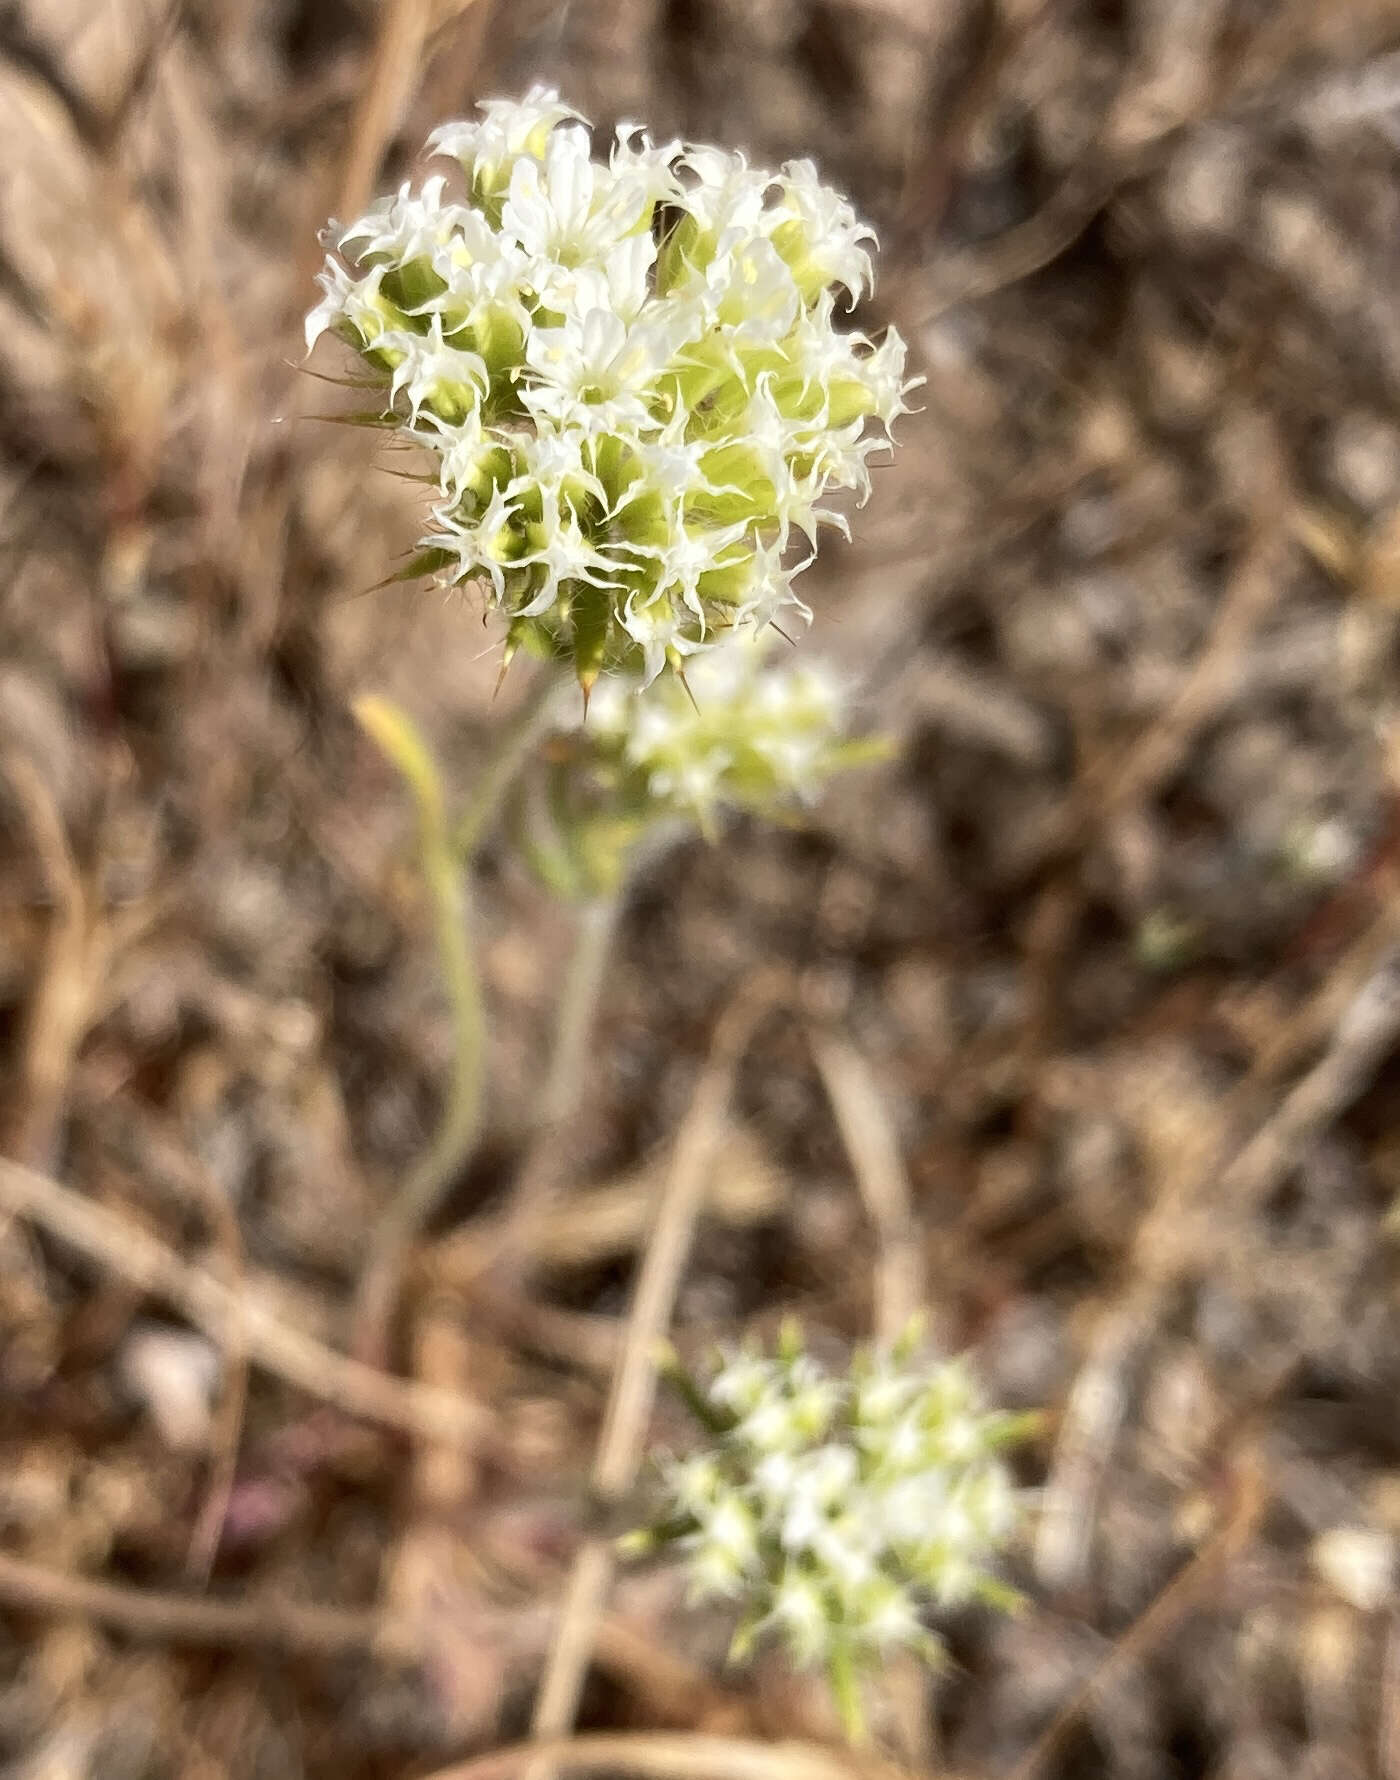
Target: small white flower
{"points": [[725, 193], [743, 1382], [410, 225], [448, 381], [772, 1427], [800, 1613], [725, 1550], [890, 1617], [819, 1483], [883, 375], [507, 128], [695, 1483], [594, 373], [569, 209], [825, 242]]}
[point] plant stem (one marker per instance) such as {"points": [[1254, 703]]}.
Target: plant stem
{"points": [[683, 1382], [845, 1690], [577, 1009], [574, 1017], [445, 856], [445, 878], [506, 759]]}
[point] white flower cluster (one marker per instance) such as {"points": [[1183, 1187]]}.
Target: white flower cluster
{"points": [[836, 1509], [742, 731], [628, 371]]}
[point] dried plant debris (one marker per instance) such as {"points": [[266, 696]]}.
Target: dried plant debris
{"points": [[1110, 921]]}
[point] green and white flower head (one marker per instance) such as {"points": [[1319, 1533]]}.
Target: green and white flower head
{"points": [[743, 731], [628, 372], [747, 727], [838, 1509]]}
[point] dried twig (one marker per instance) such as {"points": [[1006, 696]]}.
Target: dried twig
{"points": [[675, 1691], [864, 1124], [70, 978], [1093, 1418], [147, 1142], [1174, 1601], [1388, 1730], [1114, 786], [23, 50], [226, 1433], [613, 1218], [1364, 1026], [96, 128], [932, 167], [668, 1756], [634, 1381], [673, 1685], [192, 1619], [115, 1243], [1364, 1037], [899, 1286], [393, 73]]}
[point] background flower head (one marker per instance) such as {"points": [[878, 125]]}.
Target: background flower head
{"points": [[837, 1509]]}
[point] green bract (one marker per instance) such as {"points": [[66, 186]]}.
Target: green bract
{"points": [[628, 372]]}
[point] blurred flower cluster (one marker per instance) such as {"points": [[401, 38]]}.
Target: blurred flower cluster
{"points": [[835, 1509], [741, 732], [629, 373]]}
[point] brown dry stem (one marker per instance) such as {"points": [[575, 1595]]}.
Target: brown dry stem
{"points": [[116, 1244], [620, 1444]]}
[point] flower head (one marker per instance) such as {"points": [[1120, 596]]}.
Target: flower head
{"points": [[838, 1509], [628, 372], [742, 732], [741, 729]]}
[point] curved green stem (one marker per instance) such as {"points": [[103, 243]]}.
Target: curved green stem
{"points": [[574, 1017], [445, 877], [577, 1007], [846, 1692]]}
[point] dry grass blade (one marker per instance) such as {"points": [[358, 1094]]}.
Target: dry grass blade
{"points": [[1113, 787], [634, 1381], [1364, 1037], [70, 978], [668, 1756], [182, 1619], [676, 1693], [898, 1287], [23, 50], [597, 1223], [1174, 1601], [393, 73], [118, 1245], [1094, 1414], [864, 1124], [1359, 1002], [1215, 674], [1388, 1730]]}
